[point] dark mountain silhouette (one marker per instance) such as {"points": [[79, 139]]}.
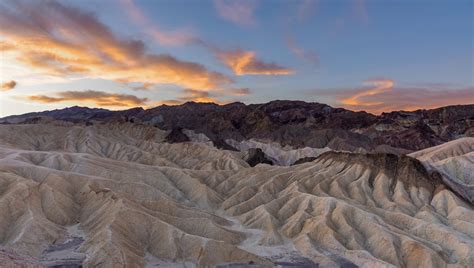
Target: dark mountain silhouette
{"points": [[294, 123]]}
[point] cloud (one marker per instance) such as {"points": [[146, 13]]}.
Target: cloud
{"points": [[195, 95], [239, 91], [187, 95], [178, 37], [306, 55], [5, 46], [383, 95], [164, 102], [304, 10], [229, 8], [379, 86], [411, 99], [99, 98], [68, 42], [239, 12], [168, 38], [246, 63], [8, 85], [142, 86]]}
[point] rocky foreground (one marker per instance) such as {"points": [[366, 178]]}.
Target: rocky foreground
{"points": [[119, 195]]}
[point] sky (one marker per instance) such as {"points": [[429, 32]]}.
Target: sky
{"points": [[373, 55]]}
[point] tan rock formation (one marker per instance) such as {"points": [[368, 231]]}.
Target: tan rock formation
{"points": [[131, 195]]}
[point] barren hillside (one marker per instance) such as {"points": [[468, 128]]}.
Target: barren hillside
{"points": [[116, 195]]}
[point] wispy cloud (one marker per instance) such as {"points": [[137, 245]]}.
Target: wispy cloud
{"points": [[240, 12], [168, 38], [384, 95], [303, 54], [142, 86], [304, 9], [187, 95], [6, 86], [196, 95], [99, 98], [378, 86], [66, 41], [239, 91], [246, 63], [419, 98]]}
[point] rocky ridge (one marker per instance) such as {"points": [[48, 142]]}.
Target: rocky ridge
{"points": [[295, 123]]}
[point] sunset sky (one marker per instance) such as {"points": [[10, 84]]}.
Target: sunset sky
{"points": [[377, 56]]}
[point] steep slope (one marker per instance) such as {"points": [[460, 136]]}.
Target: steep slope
{"points": [[127, 194], [283, 156], [454, 160], [132, 198]]}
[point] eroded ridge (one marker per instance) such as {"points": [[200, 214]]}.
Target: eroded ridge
{"points": [[131, 197]]}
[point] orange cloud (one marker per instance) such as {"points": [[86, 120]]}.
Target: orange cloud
{"points": [[240, 12], [188, 95], [380, 85], [246, 63], [414, 98], [164, 102], [5, 46], [99, 98], [240, 91], [64, 41], [196, 95], [385, 96], [8, 85]]}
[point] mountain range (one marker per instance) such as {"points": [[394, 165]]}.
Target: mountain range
{"points": [[295, 123]]}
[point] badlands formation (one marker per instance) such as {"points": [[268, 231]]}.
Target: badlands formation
{"points": [[285, 183], [118, 195]]}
